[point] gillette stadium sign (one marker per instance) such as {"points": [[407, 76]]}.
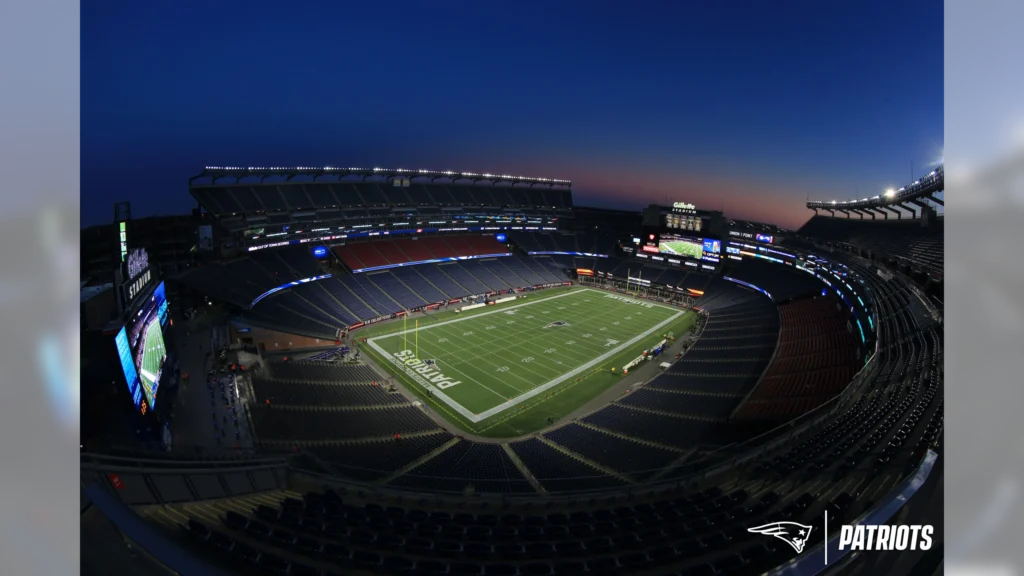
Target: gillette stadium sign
{"points": [[684, 207], [425, 373]]}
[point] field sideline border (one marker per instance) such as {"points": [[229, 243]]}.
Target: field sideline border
{"points": [[476, 418]]}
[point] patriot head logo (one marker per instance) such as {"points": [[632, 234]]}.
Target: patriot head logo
{"points": [[794, 534], [557, 323]]}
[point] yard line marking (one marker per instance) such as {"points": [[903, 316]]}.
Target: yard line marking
{"points": [[557, 380], [475, 418]]}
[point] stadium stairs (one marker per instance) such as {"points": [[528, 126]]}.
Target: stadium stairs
{"points": [[419, 461], [523, 469], [592, 464], [631, 438]]}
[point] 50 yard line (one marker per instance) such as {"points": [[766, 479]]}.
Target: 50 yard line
{"points": [[558, 379]]}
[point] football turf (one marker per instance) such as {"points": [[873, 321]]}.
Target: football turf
{"points": [[501, 371]]}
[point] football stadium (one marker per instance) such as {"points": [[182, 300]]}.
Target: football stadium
{"points": [[386, 371], [501, 289]]}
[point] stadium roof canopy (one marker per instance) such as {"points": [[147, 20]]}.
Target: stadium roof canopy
{"points": [[289, 172], [922, 189]]}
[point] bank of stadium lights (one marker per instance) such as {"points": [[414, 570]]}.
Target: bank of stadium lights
{"points": [[397, 170], [889, 193]]}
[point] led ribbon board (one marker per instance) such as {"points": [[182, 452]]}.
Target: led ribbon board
{"points": [[431, 261], [288, 285], [557, 253]]}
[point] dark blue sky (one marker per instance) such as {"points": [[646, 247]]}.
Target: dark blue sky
{"points": [[750, 106]]}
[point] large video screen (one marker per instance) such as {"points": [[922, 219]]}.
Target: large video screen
{"points": [[140, 345], [681, 246], [676, 245], [124, 352], [161, 298]]}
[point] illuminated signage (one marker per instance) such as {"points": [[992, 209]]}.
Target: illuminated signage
{"points": [[501, 238], [684, 207], [764, 238], [138, 262], [123, 240], [320, 251], [135, 288]]}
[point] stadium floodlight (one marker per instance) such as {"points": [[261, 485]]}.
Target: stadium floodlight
{"points": [[890, 193], [833, 201]]}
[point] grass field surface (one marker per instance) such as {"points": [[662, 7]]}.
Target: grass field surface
{"points": [[503, 370]]}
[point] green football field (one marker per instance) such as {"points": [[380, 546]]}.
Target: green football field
{"points": [[682, 248], [153, 355], [504, 369]]}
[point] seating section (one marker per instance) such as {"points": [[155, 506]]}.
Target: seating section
{"points": [[374, 460], [288, 424], [669, 430], [688, 405], [906, 241], [558, 472], [326, 372], [360, 255], [467, 466], [782, 283], [320, 309], [817, 357], [287, 393], [260, 198], [342, 414], [616, 452], [657, 275], [292, 315]]}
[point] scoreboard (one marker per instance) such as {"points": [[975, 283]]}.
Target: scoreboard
{"points": [[683, 217]]}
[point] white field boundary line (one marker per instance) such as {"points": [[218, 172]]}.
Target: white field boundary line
{"points": [[517, 340], [475, 418], [483, 358], [466, 353], [472, 314]]}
